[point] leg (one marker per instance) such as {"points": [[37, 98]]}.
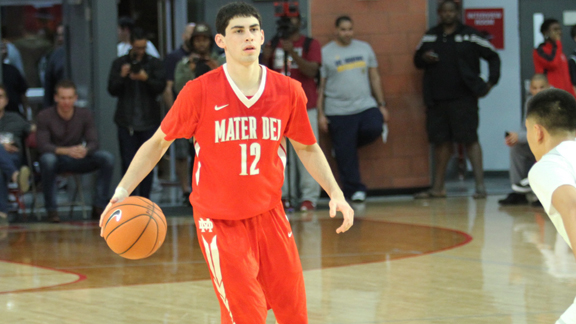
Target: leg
{"points": [[48, 172], [474, 151], [181, 151], [371, 122], [231, 251], [442, 154], [344, 134], [281, 272], [309, 188], [521, 160], [105, 160], [291, 171], [3, 195]]}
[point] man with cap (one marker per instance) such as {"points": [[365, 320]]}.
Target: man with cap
{"points": [[201, 60]]}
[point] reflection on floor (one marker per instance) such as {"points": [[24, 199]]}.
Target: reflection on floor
{"points": [[454, 260]]}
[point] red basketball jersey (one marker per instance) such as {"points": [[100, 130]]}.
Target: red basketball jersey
{"points": [[239, 166]]}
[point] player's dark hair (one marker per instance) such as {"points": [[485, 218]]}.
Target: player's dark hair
{"points": [[340, 19], [64, 84], [573, 32], [554, 109], [546, 25], [233, 10], [441, 4], [138, 34], [126, 22]]}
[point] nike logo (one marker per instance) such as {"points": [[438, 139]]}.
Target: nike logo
{"points": [[290, 234], [220, 107]]}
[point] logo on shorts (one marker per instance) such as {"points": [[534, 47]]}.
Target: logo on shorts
{"points": [[205, 225], [117, 213]]}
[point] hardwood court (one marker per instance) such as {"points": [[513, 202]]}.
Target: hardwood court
{"points": [[452, 260]]}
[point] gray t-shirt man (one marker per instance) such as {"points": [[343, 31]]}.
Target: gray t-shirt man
{"points": [[345, 68]]}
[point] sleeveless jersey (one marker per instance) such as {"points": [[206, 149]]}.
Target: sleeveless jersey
{"points": [[239, 165]]}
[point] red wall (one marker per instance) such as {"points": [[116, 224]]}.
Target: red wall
{"points": [[393, 28]]}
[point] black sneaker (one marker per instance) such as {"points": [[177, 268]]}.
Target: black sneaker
{"points": [[536, 204], [514, 198]]}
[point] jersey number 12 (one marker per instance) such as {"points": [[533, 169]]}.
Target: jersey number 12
{"points": [[254, 152]]}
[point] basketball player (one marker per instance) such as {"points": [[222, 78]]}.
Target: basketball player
{"points": [[239, 115], [551, 129]]}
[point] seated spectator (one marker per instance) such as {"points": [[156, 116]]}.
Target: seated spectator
{"points": [[68, 142], [9, 172], [521, 158], [13, 129], [15, 85]]}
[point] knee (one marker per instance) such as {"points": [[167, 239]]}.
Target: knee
{"points": [[48, 161], [105, 158]]}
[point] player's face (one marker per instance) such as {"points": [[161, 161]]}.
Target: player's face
{"points": [[534, 135], [65, 99], [538, 85], [201, 44], [345, 32], [243, 40]]}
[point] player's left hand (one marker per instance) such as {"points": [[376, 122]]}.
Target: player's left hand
{"points": [[340, 204], [119, 195]]}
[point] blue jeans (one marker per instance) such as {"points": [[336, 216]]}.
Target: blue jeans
{"points": [[348, 133], [7, 169], [52, 164]]}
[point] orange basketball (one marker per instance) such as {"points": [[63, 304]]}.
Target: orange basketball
{"points": [[134, 228]]}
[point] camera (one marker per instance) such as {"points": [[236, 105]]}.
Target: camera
{"points": [[135, 65], [285, 11]]}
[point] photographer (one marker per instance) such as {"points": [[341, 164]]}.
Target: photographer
{"points": [[202, 59], [303, 63], [137, 79]]}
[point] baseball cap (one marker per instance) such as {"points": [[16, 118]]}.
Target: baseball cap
{"points": [[202, 29]]}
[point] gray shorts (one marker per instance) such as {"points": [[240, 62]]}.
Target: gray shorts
{"points": [[182, 148]]}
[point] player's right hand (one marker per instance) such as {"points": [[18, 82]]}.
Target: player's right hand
{"points": [[119, 195]]}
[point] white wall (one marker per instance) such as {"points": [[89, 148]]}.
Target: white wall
{"points": [[501, 109]]}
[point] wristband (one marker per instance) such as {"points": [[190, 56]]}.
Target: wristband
{"points": [[121, 191]]}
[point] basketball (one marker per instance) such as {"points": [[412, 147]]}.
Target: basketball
{"points": [[134, 228]]}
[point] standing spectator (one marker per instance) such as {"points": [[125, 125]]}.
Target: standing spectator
{"points": [[14, 56], [172, 59], [521, 158], [572, 61], [450, 56], [136, 79], [304, 60], [13, 130], [125, 28], [549, 59], [346, 107], [202, 59], [54, 67], [68, 142], [15, 86]]}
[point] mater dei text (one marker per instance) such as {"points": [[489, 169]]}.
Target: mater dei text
{"points": [[245, 128]]}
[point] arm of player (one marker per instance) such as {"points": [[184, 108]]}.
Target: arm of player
{"points": [[564, 201], [315, 162], [144, 161]]}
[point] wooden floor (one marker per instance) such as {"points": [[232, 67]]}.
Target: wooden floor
{"points": [[452, 260]]}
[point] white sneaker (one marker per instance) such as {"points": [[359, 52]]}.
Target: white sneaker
{"points": [[522, 187], [359, 196]]}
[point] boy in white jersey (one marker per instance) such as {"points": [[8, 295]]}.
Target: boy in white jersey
{"points": [[551, 132]]}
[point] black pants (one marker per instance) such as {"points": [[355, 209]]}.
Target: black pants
{"points": [[129, 145], [348, 133]]}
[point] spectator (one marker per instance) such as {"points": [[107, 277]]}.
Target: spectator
{"points": [[549, 59], [13, 130], [521, 158], [14, 56], [9, 172], [68, 142], [15, 86], [304, 60], [172, 59], [346, 107], [125, 28], [54, 67], [202, 59], [572, 61], [136, 79], [449, 54]]}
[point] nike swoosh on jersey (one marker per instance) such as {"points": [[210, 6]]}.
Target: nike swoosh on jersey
{"points": [[220, 107], [290, 234]]}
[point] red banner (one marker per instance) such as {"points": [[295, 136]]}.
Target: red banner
{"points": [[490, 22]]}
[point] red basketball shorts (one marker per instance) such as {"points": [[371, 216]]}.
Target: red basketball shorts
{"points": [[254, 266]]}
